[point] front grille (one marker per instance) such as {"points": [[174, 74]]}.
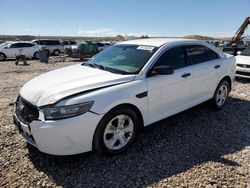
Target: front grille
{"points": [[25, 111], [243, 73], [243, 65]]}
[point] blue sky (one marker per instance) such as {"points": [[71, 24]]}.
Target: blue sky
{"points": [[131, 17]]}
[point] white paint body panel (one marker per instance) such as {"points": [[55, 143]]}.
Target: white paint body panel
{"points": [[12, 52], [167, 95], [243, 60]]}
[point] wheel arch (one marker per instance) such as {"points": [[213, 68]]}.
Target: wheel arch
{"points": [[124, 105], [3, 54], [134, 108], [228, 79]]}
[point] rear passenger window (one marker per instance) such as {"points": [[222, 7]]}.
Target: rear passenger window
{"points": [[211, 54], [27, 45], [14, 45], [173, 57], [43, 42], [54, 42], [197, 54]]}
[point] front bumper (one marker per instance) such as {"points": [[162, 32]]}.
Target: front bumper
{"points": [[61, 137], [242, 72]]}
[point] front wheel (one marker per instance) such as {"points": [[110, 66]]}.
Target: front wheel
{"points": [[36, 55], [221, 95], [116, 131], [56, 52], [2, 57]]}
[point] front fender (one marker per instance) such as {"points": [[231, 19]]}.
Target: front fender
{"points": [[107, 98]]}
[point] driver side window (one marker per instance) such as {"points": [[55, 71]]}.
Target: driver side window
{"points": [[173, 57]]}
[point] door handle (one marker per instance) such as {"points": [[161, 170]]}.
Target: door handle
{"points": [[186, 75], [217, 66]]}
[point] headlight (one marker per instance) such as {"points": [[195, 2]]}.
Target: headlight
{"points": [[59, 112]]}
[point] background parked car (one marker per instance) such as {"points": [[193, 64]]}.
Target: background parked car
{"points": [[85, 49], [11, 50], [243, 63], [55, 47], [68, 44], [101, 45]]}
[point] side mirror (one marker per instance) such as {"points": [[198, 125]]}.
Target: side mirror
{"points": [[239, 52], [162, 70]]}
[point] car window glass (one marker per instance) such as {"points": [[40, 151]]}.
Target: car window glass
{"points": [[26, 45], [53, 42], [126, 59], [197, 54], [14, 45], [99, 44], [43, 42], [246, 52], [211, 54], [173, 57]]}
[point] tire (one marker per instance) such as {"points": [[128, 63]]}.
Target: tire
{"points": [[220, 95], [56, 52], [36, 55], [111, 137], [2, 56]]}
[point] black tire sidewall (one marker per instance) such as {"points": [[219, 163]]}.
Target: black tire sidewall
{"points": [[98, 137], [56, 52], [4, 57], [36, 55]]}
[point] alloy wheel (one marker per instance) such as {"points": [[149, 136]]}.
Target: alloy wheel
{"points": [[118, 132], [221, 95]]}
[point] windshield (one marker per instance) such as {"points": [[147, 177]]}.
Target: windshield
{"points": [[246, 52], [123, 59]]}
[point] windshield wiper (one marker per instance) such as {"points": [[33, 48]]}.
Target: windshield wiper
{"points": [[99, 66], [88, 64]]}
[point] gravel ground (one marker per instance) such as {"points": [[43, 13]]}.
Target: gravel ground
{"points": [[196, 148]]}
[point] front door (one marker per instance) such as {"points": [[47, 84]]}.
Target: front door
{"points": [[169, 94]]}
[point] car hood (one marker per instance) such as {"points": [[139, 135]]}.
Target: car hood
{"points": [[241, 59], [50, 87]]}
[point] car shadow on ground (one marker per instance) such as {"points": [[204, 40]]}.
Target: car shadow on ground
{"points": [[242, 80], [169, 147]]}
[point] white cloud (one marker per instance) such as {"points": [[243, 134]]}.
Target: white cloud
{"points": [[27, 29], [108, 32], [97, 32]]}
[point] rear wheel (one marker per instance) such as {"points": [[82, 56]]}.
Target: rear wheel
{"points": [[116, 131], [221, 95], [36, 55], [56, 52], [2, 56]]}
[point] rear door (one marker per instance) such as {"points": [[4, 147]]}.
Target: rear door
{"points": [[27, 49], [206, 67], [169, 94]]}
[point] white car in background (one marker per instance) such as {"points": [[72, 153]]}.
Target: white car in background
{"points": [[243, 63], [11, 50], [103, 103], [102, 45], [68, 43]]}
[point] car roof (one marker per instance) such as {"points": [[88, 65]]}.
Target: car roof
{"points": [[157, 42]]}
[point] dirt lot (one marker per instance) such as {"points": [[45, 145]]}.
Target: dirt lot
{"points": [[196, 148]]}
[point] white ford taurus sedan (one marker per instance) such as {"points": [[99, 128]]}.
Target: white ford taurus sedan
{"points": [[102, 104]]}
